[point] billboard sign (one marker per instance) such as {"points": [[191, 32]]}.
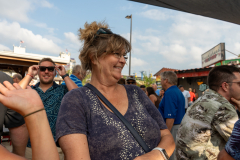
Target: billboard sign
{"points": [[214, 55]]}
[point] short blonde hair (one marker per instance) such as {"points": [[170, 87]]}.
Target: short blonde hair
{"points": [[96, 46]]}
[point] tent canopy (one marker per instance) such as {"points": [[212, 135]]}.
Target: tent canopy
{"points": [[226, 10]]}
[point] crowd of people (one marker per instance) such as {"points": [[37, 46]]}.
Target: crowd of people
{"points": [[71, 121]]}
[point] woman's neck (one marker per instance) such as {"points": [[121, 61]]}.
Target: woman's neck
{"points": [[104, 85]]}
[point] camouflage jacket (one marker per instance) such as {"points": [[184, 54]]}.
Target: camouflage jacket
{"points": [[205, 128]]}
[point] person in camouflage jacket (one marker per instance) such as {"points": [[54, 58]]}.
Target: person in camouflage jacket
{"points": [[209, 121]]}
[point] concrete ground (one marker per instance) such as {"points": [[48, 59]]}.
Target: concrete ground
{"points": [[7, 145]]}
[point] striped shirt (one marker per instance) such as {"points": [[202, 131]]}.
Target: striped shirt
{"points": [[233, 145], [77, 81]]}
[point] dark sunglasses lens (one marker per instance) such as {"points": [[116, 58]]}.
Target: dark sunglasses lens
{"points": [[50, 69], [42, 69]]}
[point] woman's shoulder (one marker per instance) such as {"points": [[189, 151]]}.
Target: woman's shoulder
{"points": [[131, 87], [135, 91], [152, 96], [77, 97]]}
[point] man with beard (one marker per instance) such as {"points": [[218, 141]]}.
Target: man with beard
{"points": [[50, 93], [209, 121]]}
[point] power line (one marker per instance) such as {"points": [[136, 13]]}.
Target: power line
{"points": [[232, 53]]}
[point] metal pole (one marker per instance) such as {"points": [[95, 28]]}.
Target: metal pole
{"points": [[131, 45]]}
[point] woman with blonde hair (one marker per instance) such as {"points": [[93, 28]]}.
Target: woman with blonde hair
{"points": [[87, 128]]}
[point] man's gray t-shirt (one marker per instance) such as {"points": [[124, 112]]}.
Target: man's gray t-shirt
{"points": [[186, 95]]}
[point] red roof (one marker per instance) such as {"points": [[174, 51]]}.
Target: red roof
{"points": [[192, 69], [163, 70]]}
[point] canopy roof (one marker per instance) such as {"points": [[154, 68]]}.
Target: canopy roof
{"points": [[226, 10]]}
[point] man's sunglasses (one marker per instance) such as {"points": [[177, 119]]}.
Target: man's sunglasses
{"points": [[43, 68], [130, 82]]}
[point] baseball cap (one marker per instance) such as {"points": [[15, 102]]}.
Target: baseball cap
{"points": [[180, 86], [131, 78]]}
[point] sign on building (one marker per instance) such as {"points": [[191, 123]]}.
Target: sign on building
{"points": [[203, 87], [158, 82], [214, 55]]}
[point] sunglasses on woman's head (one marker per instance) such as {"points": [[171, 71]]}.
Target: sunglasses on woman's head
{"points": [[43, 68], [103, 31]]}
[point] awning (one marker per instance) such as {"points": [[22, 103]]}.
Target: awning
{"points": [[226, 10]]}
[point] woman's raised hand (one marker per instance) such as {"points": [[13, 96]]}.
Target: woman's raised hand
{"points": [[23, 101]]}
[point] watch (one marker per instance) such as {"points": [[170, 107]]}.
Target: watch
{"points": [[66, 75], [163, 152]]}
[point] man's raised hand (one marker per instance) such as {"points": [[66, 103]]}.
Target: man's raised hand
{"points": [[61, 70], [236, 102], [33, 70]]}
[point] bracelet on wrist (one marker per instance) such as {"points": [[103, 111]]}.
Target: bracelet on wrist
{"points": [[33, 112], [66, 75], [30, 75]]}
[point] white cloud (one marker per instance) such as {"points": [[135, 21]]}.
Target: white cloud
{"points": [[237, 46], [154, 14], [72, 38], [182, 42], [12, 32], [174, 53], [150, 31], [150, 43], [73, 44], [44, 25], [45, 3], [137, 62], [127, 7], [137, 51], [18, 10], [15, 9], [145, 7], [4, 48]]}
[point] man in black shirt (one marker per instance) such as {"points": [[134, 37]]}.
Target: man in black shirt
{"points": [[15, 123]]}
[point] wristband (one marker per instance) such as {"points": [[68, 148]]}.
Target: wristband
{"points": [[33, 112], [30, 75], [163, 152], [66, 75]]}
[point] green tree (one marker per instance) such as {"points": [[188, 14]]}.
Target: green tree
{"points": [[69, 72], [87, 78], [148, 80]]}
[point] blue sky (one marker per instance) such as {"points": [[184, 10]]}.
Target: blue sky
{"points": [[161, 37]]}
